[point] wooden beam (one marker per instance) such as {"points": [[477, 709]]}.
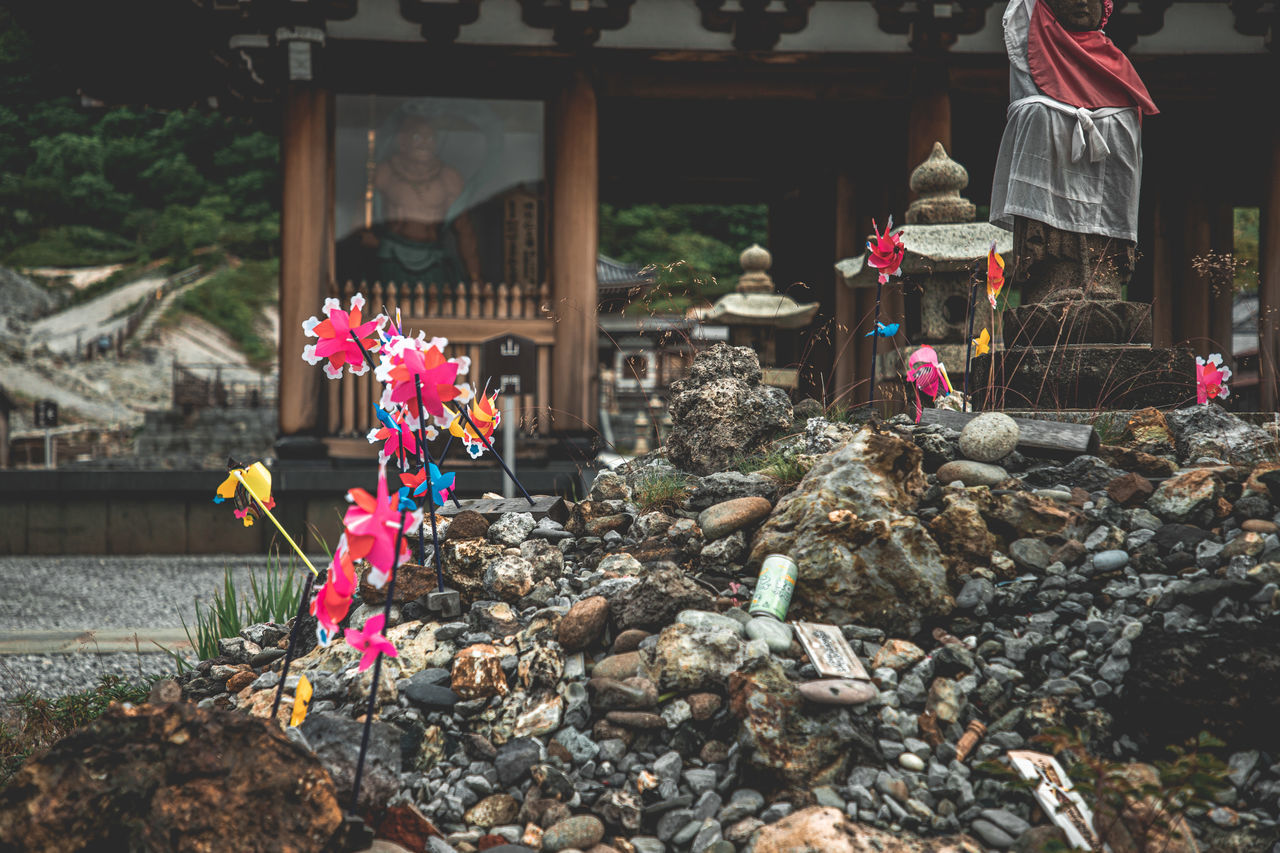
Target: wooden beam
{"points": [[478, 330], [574, 215], [849, 242], [305, 249], [1269, 284], [1035, 436]]}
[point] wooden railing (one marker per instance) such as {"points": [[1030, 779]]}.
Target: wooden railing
{"points": [[466, 314]]}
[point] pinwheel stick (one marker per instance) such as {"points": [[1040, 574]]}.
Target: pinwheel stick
{"points": [[463, 412], [968, 347], [293, 643], [431, 498], [267, 512], [377, 669], [875, 346]]}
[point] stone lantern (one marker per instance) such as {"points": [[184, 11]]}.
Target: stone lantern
{"points": [[759, 318], [943, 242]]}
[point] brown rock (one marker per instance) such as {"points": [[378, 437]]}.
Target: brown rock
{"points": [[604, 730], [582, 626], [138, 778], [556, 749], [1259, 525], [724, 518], [961, 531], [1144, 823], [628, 641], [1148, 430], [494, 810], [636, 719], [477, 672], [580, 832], [1191, 497], [825, 829], [467, 524], [596, 518], [621, 667], [713, 752], [703, 706], [240, 681], [1248, 544], [1137, 461], [897, 655], [485, 842], [403, 824], [1070, 552], [1130, 489]]}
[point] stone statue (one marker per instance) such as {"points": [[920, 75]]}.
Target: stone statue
{"points": [[1068, 174], [417, 191]]}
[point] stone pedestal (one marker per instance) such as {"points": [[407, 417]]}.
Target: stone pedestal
{"points": [[1084, 376]]}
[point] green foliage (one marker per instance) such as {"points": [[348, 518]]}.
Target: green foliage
{"points": [[144, 182], [1245, 248], [705, 240], [661, 491], [274, 600], [35, 723], [233, 300], [782, 465]]}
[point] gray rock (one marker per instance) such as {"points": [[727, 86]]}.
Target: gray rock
{"points": [[974, 592], [778, 635], [1031, 554], [511, 528], [703, 620], [1110, 561], [336, 742], [989, 437], [743, 803], [1007, 821], [971, 473], [727, 485], [991, 834], [1213, 431], [515, 758]]}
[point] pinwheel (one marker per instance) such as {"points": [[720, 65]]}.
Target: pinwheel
{"points": [[1211, 378], [243, 485], [343, 338], [397, 438], [371, 641], [413, 371], [982, 343], [373, 525], [415, 485], [485, 418], [333, 600], [928, 375], [886, 251], [301, 699], [883, 330], [995, 274]]}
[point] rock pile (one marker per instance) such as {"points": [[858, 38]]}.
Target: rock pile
{"points": [[607, 690]]}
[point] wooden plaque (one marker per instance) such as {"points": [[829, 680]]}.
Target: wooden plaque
{"points": [[548, 506], [830, 652], [1056, 796]]}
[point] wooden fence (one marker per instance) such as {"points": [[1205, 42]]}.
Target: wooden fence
{"points": [[466, 314]]}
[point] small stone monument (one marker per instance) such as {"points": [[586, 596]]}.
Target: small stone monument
{"points": [[942, 243]]}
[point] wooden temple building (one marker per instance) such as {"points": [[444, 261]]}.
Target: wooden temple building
{"points": [[537, 111]]}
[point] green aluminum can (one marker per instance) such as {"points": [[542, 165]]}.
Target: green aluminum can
{"points": [[774, 587]]}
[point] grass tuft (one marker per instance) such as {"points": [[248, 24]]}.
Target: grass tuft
{"points": [[661, 491]]}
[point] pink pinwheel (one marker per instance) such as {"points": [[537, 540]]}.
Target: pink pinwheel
{"points": [[928, 375], [396, 436], [371, 641], [886, 251], [373, 526], [332, 601], [410, 365], [336, 343], [1211, 378]]}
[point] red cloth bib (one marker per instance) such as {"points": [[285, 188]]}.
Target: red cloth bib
{"points": [[1082, 69]]}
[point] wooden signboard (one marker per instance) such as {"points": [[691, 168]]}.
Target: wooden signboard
{"points": [[830, 652], [520, 238], [544, 506]]}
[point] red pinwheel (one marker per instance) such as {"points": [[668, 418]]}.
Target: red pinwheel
{"points": [[336, 343], [396, 435], [885, 251], [373, 524], [1211, 378], [410, 365], [371, 641], [928, 375], [415, 484], [995, 274], [332, 601]]}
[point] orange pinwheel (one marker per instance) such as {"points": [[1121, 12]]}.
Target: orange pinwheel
{"points": [[486, 417], [995, 274]]}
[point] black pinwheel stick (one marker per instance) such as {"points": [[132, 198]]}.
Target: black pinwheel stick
{"points": [[462, 412]]}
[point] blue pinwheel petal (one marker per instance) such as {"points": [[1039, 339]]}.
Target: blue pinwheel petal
{"points": [[385, 417], [883, 330]]}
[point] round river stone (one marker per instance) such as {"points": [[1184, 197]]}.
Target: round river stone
{"points": [[989, 437]]}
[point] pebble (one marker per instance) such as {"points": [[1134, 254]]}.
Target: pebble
{"points": [[989, 437], [724, 518], [971, 473], [911, 761], [581, 832], [1110, 561], [710, 622], [837, 691], [777, 635]]}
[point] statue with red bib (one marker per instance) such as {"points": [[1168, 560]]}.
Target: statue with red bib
{"points": [[1068, 173]]}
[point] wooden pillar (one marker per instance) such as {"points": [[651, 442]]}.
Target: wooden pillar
{"points": [[929, 120], [1269, 283], [848, 245], [306, 245], [574, 213]]}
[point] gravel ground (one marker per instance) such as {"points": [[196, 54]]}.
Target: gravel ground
{"points": [[76, 593]]}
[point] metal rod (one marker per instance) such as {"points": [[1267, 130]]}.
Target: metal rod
{"points": [[293, 643], [377, 670], [875, 347], [431, 498], [463, 412], [283, 533], [968, 346]]}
